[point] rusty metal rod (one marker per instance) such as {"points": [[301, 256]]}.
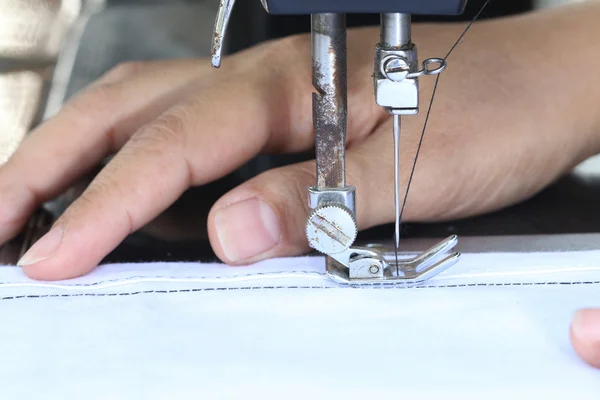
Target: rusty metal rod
{"points": [[330, 103]]}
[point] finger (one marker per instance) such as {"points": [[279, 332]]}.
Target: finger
{"points": [[192, 143], [266, 217], [95, 123], [585, 335]]}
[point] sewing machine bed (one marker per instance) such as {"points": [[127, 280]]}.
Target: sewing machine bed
{"points": [[142, 32]]}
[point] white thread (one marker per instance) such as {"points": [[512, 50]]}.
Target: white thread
{"points": [[129, 281]]}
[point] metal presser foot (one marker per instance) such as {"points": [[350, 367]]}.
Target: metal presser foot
{"points": [[368, 265], [331, 229]]}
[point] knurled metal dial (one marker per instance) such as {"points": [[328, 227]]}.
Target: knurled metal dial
{"points": [[331, 228]]}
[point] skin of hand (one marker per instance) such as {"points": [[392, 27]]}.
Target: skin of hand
{"points": [[514, 111]]}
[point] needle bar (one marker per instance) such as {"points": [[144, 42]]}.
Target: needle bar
{"points": [[330, 102]]}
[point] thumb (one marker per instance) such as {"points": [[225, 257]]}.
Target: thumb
{"points": [[585, 335], [265, 217]]}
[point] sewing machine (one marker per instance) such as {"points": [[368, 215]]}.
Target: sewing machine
{"points": [[331, 225]]}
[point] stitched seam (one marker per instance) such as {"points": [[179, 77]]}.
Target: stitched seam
{"points": [[223, 289], [256, 274]]}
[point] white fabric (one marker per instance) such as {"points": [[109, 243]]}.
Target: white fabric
{"points": [[495, 326]]}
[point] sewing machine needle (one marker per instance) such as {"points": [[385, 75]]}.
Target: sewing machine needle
{"points": [[397, 184]]}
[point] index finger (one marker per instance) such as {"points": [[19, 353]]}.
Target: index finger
{"points": [[214, 132], [91, 126]]}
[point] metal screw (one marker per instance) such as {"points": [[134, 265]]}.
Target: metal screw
{"points": [[396, 69], [331, 228], [374, 269]]}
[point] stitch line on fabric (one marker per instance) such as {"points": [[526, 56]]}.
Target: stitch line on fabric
{"points": [[252, 275], [273, 274], [375, 286]]}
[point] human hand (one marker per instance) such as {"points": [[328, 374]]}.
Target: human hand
{"points": [[179, 123], [585, 335]]}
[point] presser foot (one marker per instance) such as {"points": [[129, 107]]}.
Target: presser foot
{"points": [[372, 264]]}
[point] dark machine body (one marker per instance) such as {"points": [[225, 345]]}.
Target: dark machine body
{"points": [[429, 7], [251, 24]]}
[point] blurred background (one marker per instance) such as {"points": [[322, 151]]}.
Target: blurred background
{"points": [[51, 49]]}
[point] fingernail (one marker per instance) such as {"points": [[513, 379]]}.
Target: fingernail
{"points": [[43, 248], [247, 229], [586, 325]]}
